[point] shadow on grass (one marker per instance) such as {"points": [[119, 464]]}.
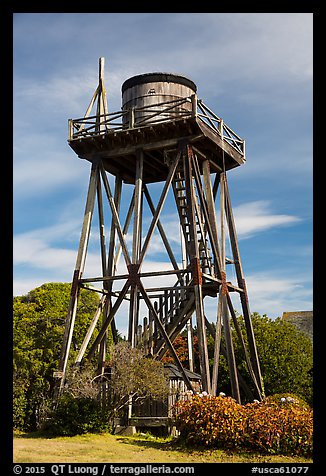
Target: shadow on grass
{"points": [[243, 455], [167, 445], [37, 434]]}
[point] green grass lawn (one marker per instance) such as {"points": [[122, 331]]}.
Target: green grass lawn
{"points": [[107, 448]]}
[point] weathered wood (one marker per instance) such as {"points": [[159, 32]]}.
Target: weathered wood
{"points": [[108, 320], [217, 344], [125, 230], [196, 272], [102, 351], [230, 350], [134, 304], [79, 268], [190, 341], [101, 100], [149, 153], [211, 210], [115, 217], [209, 214], [222, 218], [148, 274], [165, 336], [159, 207], [243, 345], [111, 263], [161, 230], [90, 331], [243, 295]]}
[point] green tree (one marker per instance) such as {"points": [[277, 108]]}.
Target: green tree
{"points": [[285, 355], [135, 375], [38, 327], [131, 376]]}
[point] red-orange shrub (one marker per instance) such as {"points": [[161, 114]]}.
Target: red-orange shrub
{"points": [[271, 426], [213, 421], [280, 427]]}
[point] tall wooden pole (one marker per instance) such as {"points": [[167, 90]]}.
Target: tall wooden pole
{"points": [[111, 253], [196, 271], [224, 304], [134, 302], [79, 269], [243, 295]]}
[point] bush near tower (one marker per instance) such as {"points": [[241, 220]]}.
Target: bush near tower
{"points": [[277, 425]]}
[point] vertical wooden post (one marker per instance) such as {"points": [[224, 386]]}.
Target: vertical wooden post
{"points": [[211, 208], [229, 349], [159, 207], [110, 259], [196, 271], [217, 343], [243, 294], [79, 269], [102, 108], [115, 216], [164, 335], [190, 339], [150, 333], [223, 296], [134, 304], [161, 230], [145, 334], [102, 351]]}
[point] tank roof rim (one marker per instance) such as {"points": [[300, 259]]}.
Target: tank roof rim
{"points": [[158, 77]]}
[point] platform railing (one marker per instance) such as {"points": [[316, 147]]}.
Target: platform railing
{"points": [[137, 117]]}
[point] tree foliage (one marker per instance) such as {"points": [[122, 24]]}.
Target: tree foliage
{"points": [[130, 375], [38, 327], [284, 352], [285, 355], [135, 375]]}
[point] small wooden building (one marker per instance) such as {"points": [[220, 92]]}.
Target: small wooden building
{"points": [[153, 413]]}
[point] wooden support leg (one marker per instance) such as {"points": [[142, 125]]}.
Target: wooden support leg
{"points": [[111, 253], [223, 297], [164, 334], [196, 270], [243, 295], [229, 349], [79, 268], [108, 320], [190, 339], [217, 344], [134, 303]]}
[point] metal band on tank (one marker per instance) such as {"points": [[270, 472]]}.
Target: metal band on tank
{"points": [[158, 77]]}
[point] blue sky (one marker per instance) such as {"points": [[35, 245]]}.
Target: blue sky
{"points": [[252, 69]]}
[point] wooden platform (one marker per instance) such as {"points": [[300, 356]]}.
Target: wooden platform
{"points": [[118, 148]]}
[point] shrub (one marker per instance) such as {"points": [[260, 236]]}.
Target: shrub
{"points": [[284, 427], [290, 397], [75, 416], [213, 421], [270, 426]]}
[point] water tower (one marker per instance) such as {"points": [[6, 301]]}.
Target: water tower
{"points": [[166, 143]]}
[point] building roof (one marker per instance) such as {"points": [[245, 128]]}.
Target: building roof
{"points": [[303, 320], [174, 372]]}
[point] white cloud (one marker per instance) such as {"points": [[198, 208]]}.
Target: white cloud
{"points": [[273, 293], [270, 293], [58, 93], [255, 217], [39, 249], [249, 46]]}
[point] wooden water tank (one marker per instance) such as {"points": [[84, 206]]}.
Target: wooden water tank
{"points": [[154, 91]]}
